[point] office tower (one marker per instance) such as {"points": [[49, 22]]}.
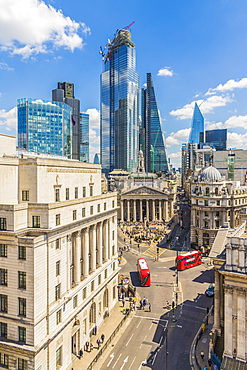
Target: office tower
{"points": [[197, 127], [151, 137], [65, 93], [84, 137], [217, 138], [44, 126], [119, 129]]}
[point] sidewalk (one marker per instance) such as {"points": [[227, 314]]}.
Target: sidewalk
{"points": [[107, 328], [201, 344]]}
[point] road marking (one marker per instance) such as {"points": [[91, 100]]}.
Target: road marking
{"points": [[137, 326], [117, 360], [125, 361], [160, 340], [112, 357], [143, 341], [131, 364], [150, 318], [129, 340], [154, 358], [150, 326]]}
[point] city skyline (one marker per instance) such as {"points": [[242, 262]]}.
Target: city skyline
{"points": [[195, 54]]}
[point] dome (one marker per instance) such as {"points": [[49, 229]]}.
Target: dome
{"points": [[210, 173]]}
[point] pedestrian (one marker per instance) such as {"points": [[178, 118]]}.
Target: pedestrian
{"points": [[98, 342], [91, 347], [149, 306], [202, 355], [123, 302], [95, 329], [119, 296], [123, 295], [87, 346], [205, 368], [167, 304], [144, 302], [209, 362], [173, 303], [102, 338], [140, 304], [216, 367], [80, 353]]}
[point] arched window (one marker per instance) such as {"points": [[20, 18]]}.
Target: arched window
{"points": [[105, 299], [207, 191], [216, 191], [92, 314]]}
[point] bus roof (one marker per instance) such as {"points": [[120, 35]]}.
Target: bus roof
{"points": [[143, 263], [189, 253]]}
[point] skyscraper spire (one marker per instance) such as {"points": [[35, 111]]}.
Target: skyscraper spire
{"points": [[197, 127]]}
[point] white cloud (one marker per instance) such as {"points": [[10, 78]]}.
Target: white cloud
{"points": [[30, 27], [235, 140], [206, 106], [177, 138], [8, 119], [5, 66], [175, 155], [94, 117], [94, 143], [229, 86], [232, 122], [165, 72]]}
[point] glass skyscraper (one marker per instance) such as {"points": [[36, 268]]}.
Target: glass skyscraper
{"points": [[44, 126], [217, 138], [119, 126], [151, 138], [84, 135], [197, 127]]}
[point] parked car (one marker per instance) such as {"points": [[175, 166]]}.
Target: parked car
{"points": [[210, 290]]}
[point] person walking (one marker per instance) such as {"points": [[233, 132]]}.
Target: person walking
{"points": [[149, 307], [141, 305], [102, 338], [98, 342], [80, 353], [95, 329], [87, 346], [202, 355]]}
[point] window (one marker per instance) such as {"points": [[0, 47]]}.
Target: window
{"points": [[3, 303], [104, 206], [91, 210], [22, 280], [218, 202], [36, 221], [207, 191], [4, 277], [92, 286], [3, 223], [114, 266], [3, 250], [84, 191], [25, 195], [84, 293], [206, 213], [59, 357], [58, 221], [229, 202], [105, 274], [58, 317], [91, 190], [22, 334], [83, 212], [75, 303], [98, 207], [99, 279], [22, 252], [197, 202], [3, 330], [217, 214], [57, 195], [74, 215], [67, 193], [217, 224], [76, 193], [113, 204], [22, 302], [206, 224], [113, 234], [57, 268], [114, 292], [57, 243], [205, 202], [22, 364], [57, 292], [4, 360]]}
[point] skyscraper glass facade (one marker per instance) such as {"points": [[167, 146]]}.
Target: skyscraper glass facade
{"points": [[217, 138], [119, 129], [44, 126], [197, 127], [151, 137], [84, 135]]}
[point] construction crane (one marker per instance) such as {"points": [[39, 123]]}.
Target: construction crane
{"points": [[127, 27]]}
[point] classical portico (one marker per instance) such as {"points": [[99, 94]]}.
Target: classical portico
{"points": [[145, 203]]}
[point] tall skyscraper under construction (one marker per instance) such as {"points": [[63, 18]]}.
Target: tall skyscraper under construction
{"points": [[151, 137], [119, 126]]}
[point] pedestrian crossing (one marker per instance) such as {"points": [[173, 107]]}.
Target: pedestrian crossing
{"points": [[152, 251]]}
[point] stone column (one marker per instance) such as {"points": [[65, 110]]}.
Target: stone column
{"points": [[86, 252], [166, 210], [100, 243], [106, 240], [69, 261], [147, 209], [228, 320], [153, 210], [93, 248], [241, 323], [122, 210], [217, 302], [77, 241], [160, 212], [128, 210], [134, 210], [141, 211]]}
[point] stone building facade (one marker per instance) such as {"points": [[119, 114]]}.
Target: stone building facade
{"points": [[58, 259], [214, 202]]}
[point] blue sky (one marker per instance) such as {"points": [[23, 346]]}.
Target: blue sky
{"points": [[195, 50]]}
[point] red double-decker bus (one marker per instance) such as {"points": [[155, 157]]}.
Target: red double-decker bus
{"points": [[188, 260], [144, 272]]}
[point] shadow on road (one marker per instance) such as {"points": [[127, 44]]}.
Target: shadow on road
{"points": [[134, 277], [205, 277]]}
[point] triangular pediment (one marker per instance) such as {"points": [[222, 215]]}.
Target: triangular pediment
{"points": [[143, 190]]}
